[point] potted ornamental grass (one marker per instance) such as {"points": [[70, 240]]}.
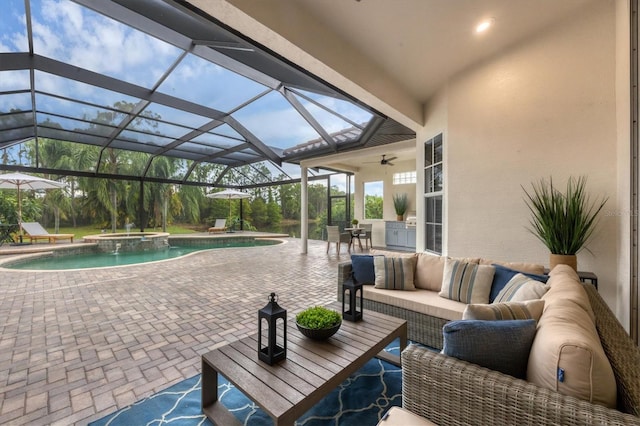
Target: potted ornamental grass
{"points": [[318, 322], [400, 205], [563, 221]]}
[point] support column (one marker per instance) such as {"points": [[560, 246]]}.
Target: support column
{"points": [[141, 214], [304, 210]]}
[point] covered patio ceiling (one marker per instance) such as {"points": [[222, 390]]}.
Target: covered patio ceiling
{"points": [[108, 84]]}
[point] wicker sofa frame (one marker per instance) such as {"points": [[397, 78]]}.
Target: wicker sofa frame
{"points": [[449, 391], [421, 327]]}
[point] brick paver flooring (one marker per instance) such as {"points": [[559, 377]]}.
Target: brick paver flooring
{"points": [[77, 345]]}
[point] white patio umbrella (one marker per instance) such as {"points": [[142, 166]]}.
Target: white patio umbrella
{"points": [[20, 181], [229, 194]]}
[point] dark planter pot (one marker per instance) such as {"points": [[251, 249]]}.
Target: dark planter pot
{"points": [[320, 333]]}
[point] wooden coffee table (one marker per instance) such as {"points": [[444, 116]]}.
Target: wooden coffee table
{"points": [[312, 369]]}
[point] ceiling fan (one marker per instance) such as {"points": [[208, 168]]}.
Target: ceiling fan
{"points": [[385, 161]]}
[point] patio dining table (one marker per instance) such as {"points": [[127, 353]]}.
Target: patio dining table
{"points": [[355, 234]]}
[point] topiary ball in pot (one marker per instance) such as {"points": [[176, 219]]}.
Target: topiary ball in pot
{"points": [[318, 322]]}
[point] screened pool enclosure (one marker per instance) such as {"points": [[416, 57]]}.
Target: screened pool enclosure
{"points": [[156, 91]]}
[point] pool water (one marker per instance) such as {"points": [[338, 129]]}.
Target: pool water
{"points": [[101, 260]]}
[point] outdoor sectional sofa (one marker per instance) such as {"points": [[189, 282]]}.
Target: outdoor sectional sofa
{"points": [[426, 313], [450, 391]]}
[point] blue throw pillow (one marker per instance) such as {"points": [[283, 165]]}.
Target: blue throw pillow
{"points": [[503, 275], [502, 345], [363, 269]]}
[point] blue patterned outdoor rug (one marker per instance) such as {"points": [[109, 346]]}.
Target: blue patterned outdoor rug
{"points": [[362, 399]]}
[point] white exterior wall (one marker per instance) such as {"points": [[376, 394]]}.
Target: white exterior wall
{"points": [[546, 107], [384, 174]]}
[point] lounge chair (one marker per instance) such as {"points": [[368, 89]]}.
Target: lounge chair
{"points": [[219, 226], [35, 231]]}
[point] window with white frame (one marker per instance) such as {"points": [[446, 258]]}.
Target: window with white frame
{"points": [[402, 178], [433, 193]]}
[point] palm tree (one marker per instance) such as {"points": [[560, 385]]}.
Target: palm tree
{"points": [[56, 154]]}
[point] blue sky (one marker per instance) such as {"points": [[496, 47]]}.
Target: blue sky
{"points": [[70, 33]]}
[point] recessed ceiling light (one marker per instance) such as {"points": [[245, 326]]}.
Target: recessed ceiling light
{"points": [[484, 25]]}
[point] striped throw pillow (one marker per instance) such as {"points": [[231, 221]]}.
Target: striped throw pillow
{"points": [[466, 282], [521, 288], [531, 309], [394, 273]]}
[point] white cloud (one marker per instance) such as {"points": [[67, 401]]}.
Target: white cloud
{"points": [[70, 33], [13, 32], [14, 80]]}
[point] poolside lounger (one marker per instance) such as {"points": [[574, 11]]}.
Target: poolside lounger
{"points": [[35, 231], [219, 226]]}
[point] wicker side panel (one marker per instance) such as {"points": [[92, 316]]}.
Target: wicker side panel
{"points": [[421, 328], [622, 352], [448, 391]]}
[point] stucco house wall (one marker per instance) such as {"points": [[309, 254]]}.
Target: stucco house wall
{"points": [[544, 108], [385, 174]]}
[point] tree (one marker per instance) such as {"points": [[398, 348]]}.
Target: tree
{"points": [[187, 203], [52, 154], [259, 215], [290, 200], [274, 216], [59, 203], [373, 207], [317, 200]]}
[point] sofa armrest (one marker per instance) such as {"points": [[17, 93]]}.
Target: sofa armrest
{"points": [[344, 273], [622, 352], [449, 391]]}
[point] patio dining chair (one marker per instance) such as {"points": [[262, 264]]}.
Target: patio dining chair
{"points": [[335, 236], [365, 234]]}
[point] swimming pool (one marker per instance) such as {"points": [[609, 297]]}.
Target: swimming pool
{"points": [[102, 260]]}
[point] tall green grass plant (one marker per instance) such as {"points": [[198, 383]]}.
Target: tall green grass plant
{"points": [[400, 203], [564, 222]]}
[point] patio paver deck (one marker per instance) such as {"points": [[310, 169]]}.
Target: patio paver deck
{"points": [[77, 345]]}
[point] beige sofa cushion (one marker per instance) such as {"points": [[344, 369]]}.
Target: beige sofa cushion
{"points": [[388, 253], [422, 301], [566, 285], [429, 270], [566, 355], [529, 268]]}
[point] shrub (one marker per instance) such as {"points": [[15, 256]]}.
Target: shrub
{"points": [[318, 317]]}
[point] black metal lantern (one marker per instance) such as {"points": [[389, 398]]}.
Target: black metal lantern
{"points": [[274, 351], [351, 303]]}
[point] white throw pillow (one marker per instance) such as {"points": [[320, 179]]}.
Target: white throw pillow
{"points": [[521, 288]]}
